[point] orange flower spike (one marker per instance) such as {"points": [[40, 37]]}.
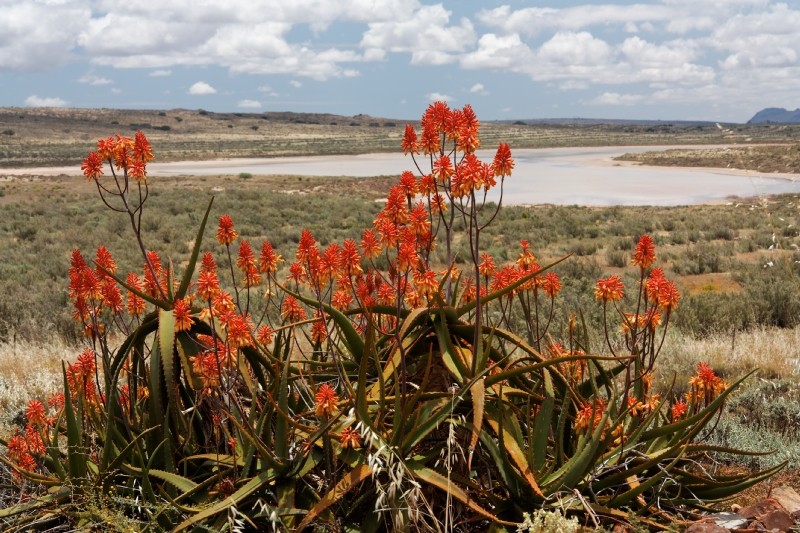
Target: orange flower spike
{"points": [[105, 148], [410, 144], [503, 164], [319, 331], [438, 204], [350, 438], [551, 284], [306, 246], [121, 152], [151, 283], [105, 262], [706, 374], [678, 410], [331, 262], [468, 127], [325, 401], [407, 257], [135, 304], [291, 309], [426, 283], [112, 296], [341, 300], [142, 151], [137, 170], [370, 247], [443, 169], [431, 141], [350, 258], [226, 234], [526, 257], [427, 185], [268, 260], [653, 284], [238, 335], [668, 296], [35, 414], [486, 266], [645, 253], [207, 284], [609, 289], [183, 315], [264, 335], [408, 182], [246, 261], [92, 166]]}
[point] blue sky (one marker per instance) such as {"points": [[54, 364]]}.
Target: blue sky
{"points": [[720, 60]]}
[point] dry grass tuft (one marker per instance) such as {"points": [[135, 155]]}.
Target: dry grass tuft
{"points": [[29, 370], [774, 352]]}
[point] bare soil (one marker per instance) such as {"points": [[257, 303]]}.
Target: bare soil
{"points": [[771, 158]]}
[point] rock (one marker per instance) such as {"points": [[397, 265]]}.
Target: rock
{"points": [[778, 520], [729, 520], [762, 508], [788, 498], [706, 527]]}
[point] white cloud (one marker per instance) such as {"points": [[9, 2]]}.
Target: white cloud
{"points": [[478, 88], [44, 101], [160, 73], [39, 35], [201, 88], [498, 52], [266, 89], [573, 49], [427, 35], [616, 99], [436, 97], [296, 84], [249, 104], [91, 79]]}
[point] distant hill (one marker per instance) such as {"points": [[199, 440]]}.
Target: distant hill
{"points": [[775, 115], [577, 121]]}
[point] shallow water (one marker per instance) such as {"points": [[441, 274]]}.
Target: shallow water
{"points": [[564, 176]]}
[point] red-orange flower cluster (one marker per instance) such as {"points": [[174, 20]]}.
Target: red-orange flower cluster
{"points": [[609, 289], [325, 401]]}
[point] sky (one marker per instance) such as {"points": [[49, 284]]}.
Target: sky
{"points": [[718, 60]]}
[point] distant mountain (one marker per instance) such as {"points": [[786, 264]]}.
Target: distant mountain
{"points": [[775, 115]]}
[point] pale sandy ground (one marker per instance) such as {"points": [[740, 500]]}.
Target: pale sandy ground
{"points": [[564, 176]]}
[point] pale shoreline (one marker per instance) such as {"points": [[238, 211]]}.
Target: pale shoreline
{"points": [[563, 176]]}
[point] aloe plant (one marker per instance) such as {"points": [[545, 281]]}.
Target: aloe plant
{"points": [[365, 386]]}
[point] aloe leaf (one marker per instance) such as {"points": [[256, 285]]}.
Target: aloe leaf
{"points": [[187, 275], [431, 477], [513, 450], [478, 393], [638, 488], [181, 483], [188, 348], [350, 480], [576, 467], [144, 296], [711, 493], [257, 483], [504, 468], [76, 456], [542, 424]]}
